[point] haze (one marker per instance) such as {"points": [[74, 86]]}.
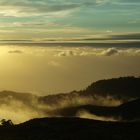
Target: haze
{"points": [[56, 69]]}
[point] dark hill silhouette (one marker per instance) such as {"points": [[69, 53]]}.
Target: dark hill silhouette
{"points": [[123, 87], [130, 110], [71, 129]]}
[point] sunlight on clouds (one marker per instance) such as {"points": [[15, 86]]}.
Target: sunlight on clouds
{"points": [[71, 51], [12, 105], [88, 115], [54, 69], [15, 51], [99, 52], [110, 51]]}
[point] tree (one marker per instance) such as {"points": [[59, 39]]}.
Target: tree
{"points": [[6, 123]]}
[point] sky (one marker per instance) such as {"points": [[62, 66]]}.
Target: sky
{"points": [[69, 20], [113, 27]]}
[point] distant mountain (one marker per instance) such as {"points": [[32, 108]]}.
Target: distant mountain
{"points": [[70, 129], [123, 87]]}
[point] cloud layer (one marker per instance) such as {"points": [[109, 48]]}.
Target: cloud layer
{"points": [[61, 51], [98, 52]]}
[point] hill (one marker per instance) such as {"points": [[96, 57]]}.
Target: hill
{"points": [[123, 87], [116, 99], [70, 129]]}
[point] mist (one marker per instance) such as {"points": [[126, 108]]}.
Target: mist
{"points": [[20, 107], [87, 115]]}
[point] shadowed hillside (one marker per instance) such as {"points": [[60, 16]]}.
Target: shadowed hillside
{"points": [[70, 129], [123, 87]]}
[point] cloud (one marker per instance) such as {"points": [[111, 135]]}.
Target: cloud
{"points": [[43, 7], [67, 53], [54, 63], [134, 21], [89, 51], [110, 36], [7, 31], [109, 31], [14, 9], [126, 36], [125, 2], [21, 24], [29, 7], [129, 1], [110, 52], [20, 107], [74, 50], [15, 51], [96, 38], [88, 115], [65, 30]]}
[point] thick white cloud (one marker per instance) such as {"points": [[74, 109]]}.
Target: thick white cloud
{"points": [[110, 51], [63, 51], [98, 52]]}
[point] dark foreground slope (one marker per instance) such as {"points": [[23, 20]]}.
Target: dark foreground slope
{"points": [[71, 129]]}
